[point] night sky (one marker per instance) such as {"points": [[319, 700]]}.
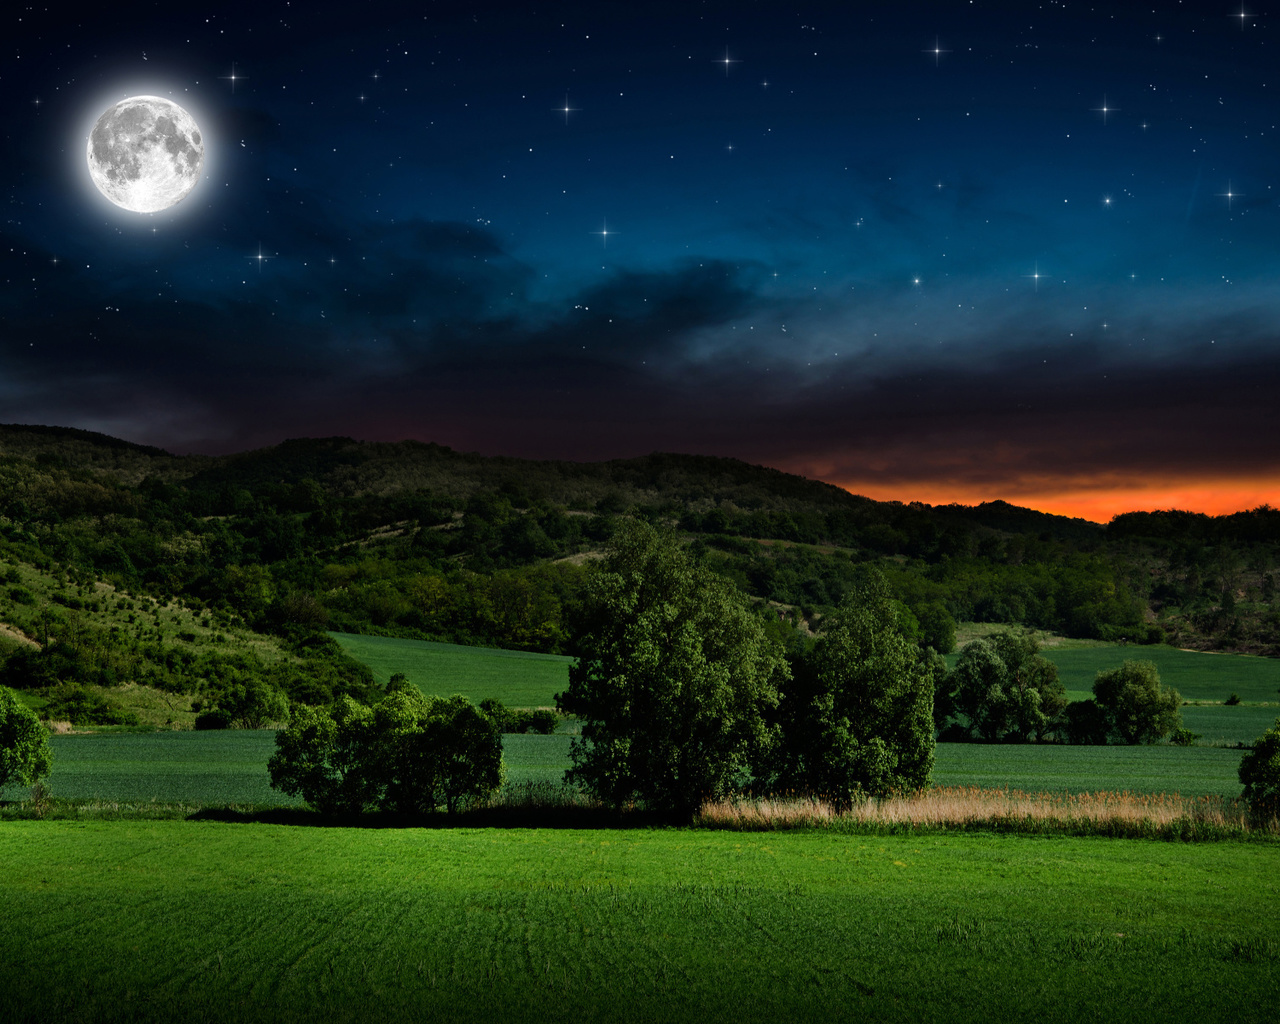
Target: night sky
{"points": [[938, 252]]}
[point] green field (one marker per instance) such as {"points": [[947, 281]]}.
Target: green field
{"points": [[230, 767], [143, 921], [1195, 675], [519, 679]]}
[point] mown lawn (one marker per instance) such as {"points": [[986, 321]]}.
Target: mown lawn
{"points": [[142, 921], [519, 679]]}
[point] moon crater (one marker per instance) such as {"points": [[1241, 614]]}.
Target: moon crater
{"points": [[145, 154]]}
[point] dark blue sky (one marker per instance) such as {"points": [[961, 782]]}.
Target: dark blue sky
{"points": [[951, 251]]}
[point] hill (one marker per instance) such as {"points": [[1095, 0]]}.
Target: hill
{"points": [[117, 550]]}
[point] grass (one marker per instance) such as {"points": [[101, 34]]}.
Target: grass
{"points": [[1190, 771], [1195, 675], [1240, 724], [177, 920], [950, 807], [519, 679], [226, 767], [230, 767]]}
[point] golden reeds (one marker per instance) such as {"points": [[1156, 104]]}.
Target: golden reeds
{"points": [[974, 807]]}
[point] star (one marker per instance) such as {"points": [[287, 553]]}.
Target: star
{"points": [[260, 257], [937, 52], [604, 233], [726, 61], [1035, 276], [566, 110], [1104, 110], [1229, 195], [233, 77], [1244, 16]]}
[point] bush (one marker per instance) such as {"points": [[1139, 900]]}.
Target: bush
{"points": [[436, 751], [251, 705], [1184, 738], [1086, 723], [214, 719], [1260, 774], [1233, 700], [1138, 708], [79, 706], [409, 753], [24, 743]]}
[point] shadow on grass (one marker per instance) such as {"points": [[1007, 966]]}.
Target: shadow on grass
{"points": [[480, 817]]}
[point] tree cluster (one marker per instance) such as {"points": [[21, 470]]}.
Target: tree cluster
{"points": [[407, 753], [1002, 690], [685, 697]]}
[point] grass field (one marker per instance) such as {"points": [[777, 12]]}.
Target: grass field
{"points": [[519, 679], [150, 921], [1195, 675], [230, 767]]}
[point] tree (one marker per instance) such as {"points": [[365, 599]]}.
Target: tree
{"points": [[436, 751], [24, 743], [326, 756], [857, 717], [673, 679], [937, 626], [1006, 689], [1260, 774], [1138, 708]]}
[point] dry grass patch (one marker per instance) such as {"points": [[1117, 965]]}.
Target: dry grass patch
{"points": [[972, 807]]}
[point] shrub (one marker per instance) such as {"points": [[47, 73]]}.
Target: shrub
{"points": [[24, 743], [1086, 723], [542, 721], [1184, 738], [1233, 700], [79, 706], [213, 719], [436, 751], [408, 753], [1139, 709], [1260, 774]]}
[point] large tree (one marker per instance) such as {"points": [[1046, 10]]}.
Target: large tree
{"points": [[673, 682], [24, 743], [857, 718]]}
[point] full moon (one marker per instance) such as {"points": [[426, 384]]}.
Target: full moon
{"points": [[145, 153]]}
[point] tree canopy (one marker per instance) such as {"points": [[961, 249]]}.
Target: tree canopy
{"points": [[24, 743], [674, 679], [857, 716], [1138, 708]]}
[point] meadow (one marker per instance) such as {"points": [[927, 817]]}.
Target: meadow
{"points": [[210, 921], [216, 768], [520, 679]]}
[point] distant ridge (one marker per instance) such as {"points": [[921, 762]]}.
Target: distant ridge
{"points": [[347, 467]]}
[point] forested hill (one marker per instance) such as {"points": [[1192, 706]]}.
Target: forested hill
{"points": [[416, 539]]}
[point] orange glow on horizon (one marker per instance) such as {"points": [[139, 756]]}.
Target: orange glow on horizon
{"points": [[1093, 502]]}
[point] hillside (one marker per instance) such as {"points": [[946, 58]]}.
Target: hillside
{"points": [[125, 553]]}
